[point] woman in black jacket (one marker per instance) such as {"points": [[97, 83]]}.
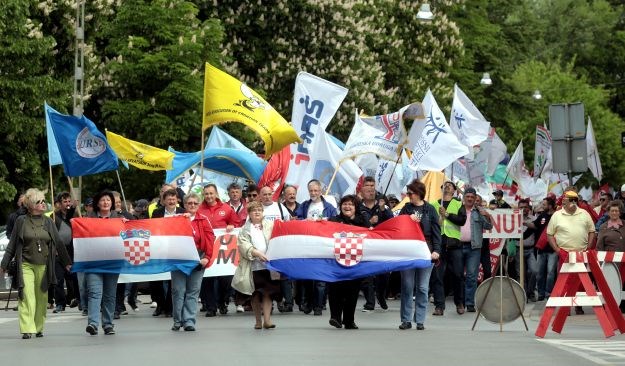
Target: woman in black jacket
{"points": [[343, 295]]}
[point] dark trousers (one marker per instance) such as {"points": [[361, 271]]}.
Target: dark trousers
{"points": [[367, 285], [161, 293], [120, 294], [59, 288], [456, 267], [314, 294], [215, 292], [437, 280], [286, 287], [485, 259], [381, 286], [343, 296]]}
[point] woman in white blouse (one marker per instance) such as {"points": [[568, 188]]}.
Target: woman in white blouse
{"points": [[252, 276]]}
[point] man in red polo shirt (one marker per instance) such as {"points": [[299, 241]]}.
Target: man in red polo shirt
{"points": [[215, 291]]}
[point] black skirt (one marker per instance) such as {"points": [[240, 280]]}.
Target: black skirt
{"points": [[265, 285]]}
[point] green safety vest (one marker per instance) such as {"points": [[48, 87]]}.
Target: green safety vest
{"points": [[449, 229]]}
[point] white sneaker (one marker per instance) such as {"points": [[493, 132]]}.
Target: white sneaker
{"points": [[240, 309], [153, 305]]}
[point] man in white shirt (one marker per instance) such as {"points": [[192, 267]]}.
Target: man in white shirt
{"points": [[272, 210]]}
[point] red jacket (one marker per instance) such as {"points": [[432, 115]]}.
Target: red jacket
{"points": [[203, 235], [220, 214]]}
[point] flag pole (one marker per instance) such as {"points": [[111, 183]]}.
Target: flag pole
{"points": [[333, 176], [202, 159], [51, 190], [394, 167], [71, 192], [121, 188]]}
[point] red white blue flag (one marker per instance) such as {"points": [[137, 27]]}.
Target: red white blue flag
{"points": [[134, 247], [329, 251]]}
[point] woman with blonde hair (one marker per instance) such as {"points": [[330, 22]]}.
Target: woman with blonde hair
{"points": [[34, 245], [252, 276]]}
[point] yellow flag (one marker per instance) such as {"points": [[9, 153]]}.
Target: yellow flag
{"points": [[226, 99], [139, 154]]}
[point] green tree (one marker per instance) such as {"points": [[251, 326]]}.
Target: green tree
{"points": [[27, 79]]}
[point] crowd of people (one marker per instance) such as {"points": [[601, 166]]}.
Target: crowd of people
{"points": [[40, 252]]}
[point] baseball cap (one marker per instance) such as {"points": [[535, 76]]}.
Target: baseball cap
{"points": [[571, 194], [470, 190], [498, 192], [492, 202], [141, 204], [89, 202]]}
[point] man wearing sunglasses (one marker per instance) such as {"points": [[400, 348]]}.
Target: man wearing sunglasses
{"points": [[570, 229]]}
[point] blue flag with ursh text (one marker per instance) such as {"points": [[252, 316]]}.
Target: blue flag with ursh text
{"points": [[83, 148]]}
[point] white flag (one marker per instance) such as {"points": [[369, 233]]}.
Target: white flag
{"points": [[325, 158], [592, 152], [466, 121], [381, 135], [516, 165], [436, 146], [498, 151], [315, 101], [368, 163], [393, 177], [542, 152]]}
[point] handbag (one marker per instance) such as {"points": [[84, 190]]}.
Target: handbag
{"points": [[12, 268]]}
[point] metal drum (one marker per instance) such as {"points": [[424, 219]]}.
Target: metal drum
{"points": [[505, 293], [613, 278]]}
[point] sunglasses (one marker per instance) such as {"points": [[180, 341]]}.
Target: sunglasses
{"points": [[253, 195], [40, 202]]}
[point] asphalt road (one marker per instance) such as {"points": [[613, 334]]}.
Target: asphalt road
{"points": [[309, 340]]}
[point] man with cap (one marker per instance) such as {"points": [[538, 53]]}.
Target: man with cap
{"points": [[141, 209], [467, 255], [452, 218], [88, 206], [499, 199]]}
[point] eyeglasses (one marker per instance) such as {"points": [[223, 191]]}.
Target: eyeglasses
{"points": [[253, 195], [190, 203]]}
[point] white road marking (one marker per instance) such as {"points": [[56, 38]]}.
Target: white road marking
{"points": [[601, 352]]}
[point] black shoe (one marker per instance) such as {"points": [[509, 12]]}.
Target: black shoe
{"points": [[531, 298], [133, 306], [335, 323], [91, 329], [27, 336], [109, 331], [189, 328], [175, 328], [203, 309], [317, 312], [39, 335], [420, 326], [307, 309], [540, 298], [405, 325], [470, 308], [157, 312], [168, 314], [211, 313], [288, 309], [116, 315], [383, 304], [73, 303], [223, 310], [351, 325]]}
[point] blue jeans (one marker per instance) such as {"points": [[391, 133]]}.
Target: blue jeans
{"points": [[184, 293], [101, 288], [472, 266], [546, 274], [82, 286], [414, 282], [530, 269]]}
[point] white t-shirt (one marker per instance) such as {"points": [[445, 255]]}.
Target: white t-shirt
{"points": [[315, 210], [260, 244], [272, 212]]}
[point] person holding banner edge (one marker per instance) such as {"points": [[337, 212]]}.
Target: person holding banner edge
{"points": [[252, 276], [186, 288]]}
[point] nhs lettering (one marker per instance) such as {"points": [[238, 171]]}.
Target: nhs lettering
{"points": [[506, 224], [310, 122]]}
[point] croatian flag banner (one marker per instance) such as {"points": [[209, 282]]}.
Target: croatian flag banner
{"points": [[329, 251], [133, 247]]}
